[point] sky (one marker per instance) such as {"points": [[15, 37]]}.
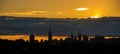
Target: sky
{"points": [[60, 8]]}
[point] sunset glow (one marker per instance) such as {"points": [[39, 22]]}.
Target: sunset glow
{"points": [[59, 26], [96, 16], [59, 9], [26, 37]]}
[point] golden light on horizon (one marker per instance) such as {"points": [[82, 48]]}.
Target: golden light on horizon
{"points": [[26, 37], [96, 16], [110, 37], [81, 9]]}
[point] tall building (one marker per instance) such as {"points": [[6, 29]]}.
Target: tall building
{"points": [[79, 36], [71, 37], [85, 38], [50, 36], [32, 38]]}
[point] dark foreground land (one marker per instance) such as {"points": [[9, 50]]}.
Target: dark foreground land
{"points": [[58, 47]]}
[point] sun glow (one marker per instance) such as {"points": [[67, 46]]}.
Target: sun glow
{"points": [[96, 16]]}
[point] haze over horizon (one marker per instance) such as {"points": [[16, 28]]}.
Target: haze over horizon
{"points": [[60, 8], [103, 26]]}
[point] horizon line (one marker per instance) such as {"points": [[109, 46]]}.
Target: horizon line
{"points": [[58, 17]]}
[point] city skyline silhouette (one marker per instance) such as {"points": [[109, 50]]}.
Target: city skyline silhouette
{"points": [[72, 44], [59, 26]]}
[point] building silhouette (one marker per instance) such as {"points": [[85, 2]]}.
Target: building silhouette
{"points": [[49, 35], [85, 38], [32, 38], [71, 36], [98, 39], [79, 36]]}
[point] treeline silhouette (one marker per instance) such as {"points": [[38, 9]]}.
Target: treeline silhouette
{"points": [[71, 45]]}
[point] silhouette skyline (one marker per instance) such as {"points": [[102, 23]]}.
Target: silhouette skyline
{"points": [[69, 45], [59, 27]]}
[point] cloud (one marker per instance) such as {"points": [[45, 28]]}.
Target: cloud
{"points": [[81, 9], [18, 13], [26, 13], [40, 11], [33, 13]]}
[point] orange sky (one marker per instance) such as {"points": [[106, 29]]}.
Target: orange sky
{"points": [[59, 8]]}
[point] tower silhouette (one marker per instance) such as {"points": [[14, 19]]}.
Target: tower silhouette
{"points": [[85, 38], [32, 38], [49, 35], [79, 36], [71, 37]]}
